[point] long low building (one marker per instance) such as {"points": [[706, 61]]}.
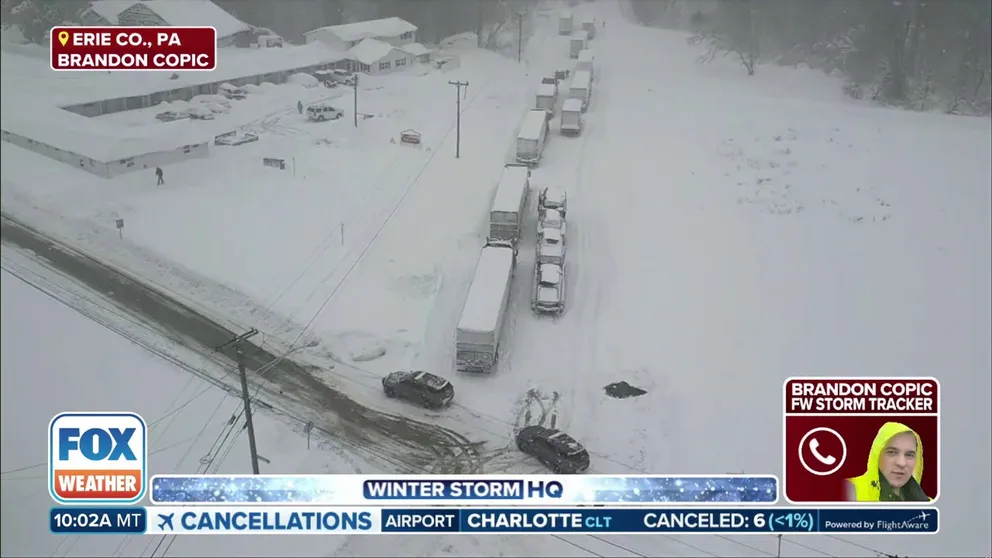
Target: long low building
{"points": [[35, 122], [95, 94], [96, 146]]}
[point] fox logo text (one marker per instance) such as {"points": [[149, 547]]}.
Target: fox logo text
{"points": [[97, 458]]}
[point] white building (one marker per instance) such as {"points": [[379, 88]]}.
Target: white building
{"points": [[230, 30], [392, 30], [419, 52], [96, 147], [372, 56]]}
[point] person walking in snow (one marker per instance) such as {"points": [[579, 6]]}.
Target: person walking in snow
{"points": [[159, 175], [299, 107]]}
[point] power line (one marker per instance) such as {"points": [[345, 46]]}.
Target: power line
{"points": [[229, 434]]}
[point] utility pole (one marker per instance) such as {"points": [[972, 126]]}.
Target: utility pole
{"points": [[244, 392], [458, 117], [520, 35], [355, 86]]}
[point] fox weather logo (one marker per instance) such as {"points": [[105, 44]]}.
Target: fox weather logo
{"points": [[97, 458]]}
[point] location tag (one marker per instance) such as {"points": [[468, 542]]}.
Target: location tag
{"points": [[63, 37]]}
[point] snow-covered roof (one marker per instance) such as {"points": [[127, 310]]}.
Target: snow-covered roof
{"points": [[565, 443], [415, 49], [552, 217], [546, 90], [551, 236], [177, 12], [586, 55], [370, 51], [485, 296], [511, 189], [581, 79], [388, 27], [26, 74], [432, 381], [554, 195], [533, 125], [550, 274], [96, 139], [552, 250], [572, 105], [580, 36], [547, 294]]}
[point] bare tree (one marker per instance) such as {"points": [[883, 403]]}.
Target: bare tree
{"points": [[732, 29]]}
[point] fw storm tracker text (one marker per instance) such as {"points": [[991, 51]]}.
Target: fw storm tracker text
{"points": [[868, 396]]}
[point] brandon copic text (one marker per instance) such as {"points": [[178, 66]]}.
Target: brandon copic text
{"points": [[875, 396], [133, 48]]}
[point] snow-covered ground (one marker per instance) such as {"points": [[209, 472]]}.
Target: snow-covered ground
{"points": [[725, 233], [55, 359]]}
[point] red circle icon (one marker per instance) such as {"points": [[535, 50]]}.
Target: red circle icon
{"points": [[822, 451]]}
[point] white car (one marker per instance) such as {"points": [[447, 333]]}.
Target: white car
{"points": [[171, 115], [553, 198], [551, 219], [322, 112], [216, 108], [229, 91], [551, 246], [549, 290], [200, 113], [214, 99]]}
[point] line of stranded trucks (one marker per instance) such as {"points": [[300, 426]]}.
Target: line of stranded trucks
{"points": [[478, 335]]}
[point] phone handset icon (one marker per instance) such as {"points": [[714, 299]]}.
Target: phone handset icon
{"points": [[814, 446]]}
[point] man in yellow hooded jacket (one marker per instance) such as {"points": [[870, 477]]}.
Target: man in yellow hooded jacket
{"points": [[895, 468]]}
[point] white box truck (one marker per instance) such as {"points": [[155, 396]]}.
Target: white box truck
{"points": [[571, 118], [509, 204], [565, 23], [589, 26], [478, 334], [581, 88], [585, 62], [531, 138], [547, 98], [578, 44]]}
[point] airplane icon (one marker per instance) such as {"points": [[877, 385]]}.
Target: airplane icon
{"points": [[923, 516], [165, 519]]}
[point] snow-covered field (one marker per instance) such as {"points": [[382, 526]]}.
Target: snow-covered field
{"points": [[57, 359], [725, 233]]}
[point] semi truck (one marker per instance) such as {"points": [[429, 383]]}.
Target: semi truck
{"points": [[480, 326]]}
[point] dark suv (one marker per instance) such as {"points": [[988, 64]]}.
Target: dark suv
{"points": [[423, 388], [553, 448]]}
